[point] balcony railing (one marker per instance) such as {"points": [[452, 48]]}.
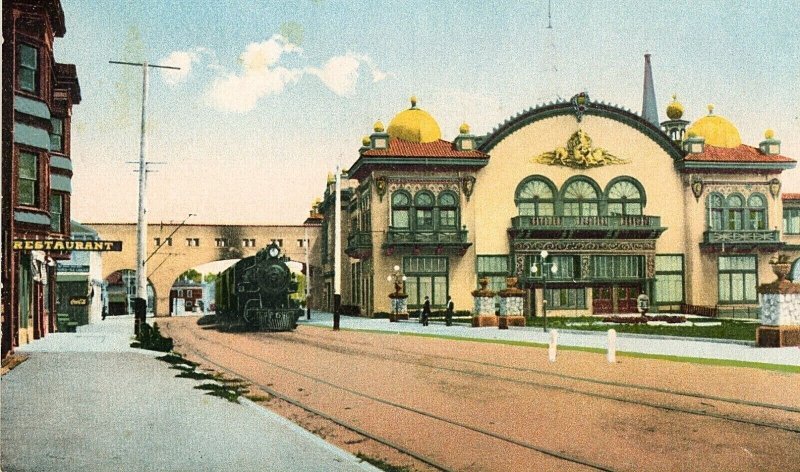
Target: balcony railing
{"points": [[599, 222], [359, 239], [359, 244], [592, 227], [455, 236], [715, 236]]}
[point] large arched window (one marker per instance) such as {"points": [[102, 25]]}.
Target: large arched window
{"points": [[401, 208], [448, 210], [423, 203], [756, 212], [735, 212], [624, 198], [580, 198], [535, 197]]}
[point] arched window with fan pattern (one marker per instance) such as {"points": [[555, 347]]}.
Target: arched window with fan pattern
{"points": [[580, 198], [535, 196], [625, 197]]}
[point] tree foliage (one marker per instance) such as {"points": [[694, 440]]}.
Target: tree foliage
{"points": [[192, 275]]}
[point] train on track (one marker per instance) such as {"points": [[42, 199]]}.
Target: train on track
{"points": [[254, 293]]}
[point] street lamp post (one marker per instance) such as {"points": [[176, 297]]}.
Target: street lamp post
{"points": [[546, 266], [399, 291]]}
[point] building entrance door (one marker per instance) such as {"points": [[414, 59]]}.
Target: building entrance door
{"points": [[626, 299], [602, 303]]}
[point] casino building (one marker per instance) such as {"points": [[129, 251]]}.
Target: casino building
{"points": [[617, 203]]}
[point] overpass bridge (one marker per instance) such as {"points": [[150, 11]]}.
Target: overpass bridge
{"points": [[174, 248]]}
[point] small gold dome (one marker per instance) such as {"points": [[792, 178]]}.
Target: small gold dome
{"points": [[675, 109], [769, 134], [464, 128], [331, 178], [716, 130], [378, 127], [414, 125], [365, 141]]}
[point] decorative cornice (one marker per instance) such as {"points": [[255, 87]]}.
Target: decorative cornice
{"points": [[600, 109], [367, 163], [594, 246], [737, 167]]}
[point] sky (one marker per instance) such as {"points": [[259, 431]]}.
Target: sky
{"points": [[271, 94]]}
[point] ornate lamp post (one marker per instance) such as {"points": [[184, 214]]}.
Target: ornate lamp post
{"points": [[553, 268], [399, 296]]}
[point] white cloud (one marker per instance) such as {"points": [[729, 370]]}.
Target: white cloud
{"points": [[261, 75], [240, 93], [182, 59], [340, 73]]}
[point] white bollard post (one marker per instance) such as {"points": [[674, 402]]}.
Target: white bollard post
{"points": [[551, 351], [612, 346]]}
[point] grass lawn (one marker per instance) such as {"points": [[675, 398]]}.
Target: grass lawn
{"points": [[730, 329]]}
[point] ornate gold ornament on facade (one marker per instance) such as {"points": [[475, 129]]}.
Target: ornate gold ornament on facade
{"points": [[380, 186], [579, 154], [468, 184], [775, 187], [697, 187]]}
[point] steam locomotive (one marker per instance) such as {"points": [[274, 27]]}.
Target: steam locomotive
{"points": [[253, 294]]}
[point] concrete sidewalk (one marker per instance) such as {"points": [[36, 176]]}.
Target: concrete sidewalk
{"points": [[87, 402], [671, 346]]}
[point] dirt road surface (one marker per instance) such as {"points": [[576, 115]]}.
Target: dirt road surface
{"points": [[472, 406]]}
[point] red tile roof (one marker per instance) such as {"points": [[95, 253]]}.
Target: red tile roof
{"points": [[741, 153], [790, 196], [438, 148]]}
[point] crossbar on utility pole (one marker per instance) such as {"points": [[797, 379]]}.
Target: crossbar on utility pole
{"points": [[141, 225]]}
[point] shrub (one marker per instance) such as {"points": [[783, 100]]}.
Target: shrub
{"points": [[644, 319], [150, 338]]}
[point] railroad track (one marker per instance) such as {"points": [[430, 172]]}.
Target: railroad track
{"points": [[405, 408], [417, 356]]}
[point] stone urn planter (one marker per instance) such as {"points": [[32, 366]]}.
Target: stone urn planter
{"points": [[511, 305], [483, 312], [780, 308]]}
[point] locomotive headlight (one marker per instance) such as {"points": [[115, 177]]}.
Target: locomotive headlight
{"points": [[273, 252]]}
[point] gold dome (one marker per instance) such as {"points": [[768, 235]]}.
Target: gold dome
{"points": [[769, 134], [378, 127], [675, 109], [716, 130], [414, 125], [464, 129], [365, 141]]}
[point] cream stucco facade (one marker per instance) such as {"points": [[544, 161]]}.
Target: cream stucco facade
{"points": [[692, 227]]}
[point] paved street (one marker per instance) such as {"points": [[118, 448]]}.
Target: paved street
{"points": [[87, 402]]}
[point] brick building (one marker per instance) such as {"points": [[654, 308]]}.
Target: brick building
{"points": [[38, 96]]}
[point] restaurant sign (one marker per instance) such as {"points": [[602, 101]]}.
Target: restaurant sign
{"points": [[65, 245]]}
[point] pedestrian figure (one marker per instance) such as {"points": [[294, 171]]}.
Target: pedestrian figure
{"points": [[448, 315], [104, 313], [426, 311]]}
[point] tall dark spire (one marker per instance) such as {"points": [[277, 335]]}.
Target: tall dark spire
{"points": [[649, 107]]}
